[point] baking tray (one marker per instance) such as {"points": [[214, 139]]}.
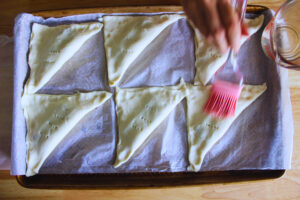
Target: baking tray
{"points": [[147, 179]]}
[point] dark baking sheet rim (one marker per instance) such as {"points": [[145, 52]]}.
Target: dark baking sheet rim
{"points": [[142, 180], [146, 179]]}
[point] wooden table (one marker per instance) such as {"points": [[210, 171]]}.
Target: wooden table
{"points": [[286, 187]]}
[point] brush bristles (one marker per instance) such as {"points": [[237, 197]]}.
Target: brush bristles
{"points": [[223, 99]]}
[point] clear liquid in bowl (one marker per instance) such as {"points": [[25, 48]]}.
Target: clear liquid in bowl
{"points": [[281, 37]]}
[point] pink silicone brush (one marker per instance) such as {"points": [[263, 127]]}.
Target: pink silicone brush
{"points": [[227, 83]]}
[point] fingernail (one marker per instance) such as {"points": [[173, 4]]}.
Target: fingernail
{"points": [[209, 39], [237, 45], [223, 49], [221, 41]]}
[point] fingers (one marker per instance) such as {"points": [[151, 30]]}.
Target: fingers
{"points": [[217, 34], [217, 21], [196, 15]]}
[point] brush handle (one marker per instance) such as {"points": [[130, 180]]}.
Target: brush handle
{"points": [[240, 7], [231, 73]]}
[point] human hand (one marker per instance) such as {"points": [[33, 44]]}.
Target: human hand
{"points": [[217, 21]]}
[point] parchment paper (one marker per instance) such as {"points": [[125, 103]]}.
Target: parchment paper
{"points": [[258, 139]]}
